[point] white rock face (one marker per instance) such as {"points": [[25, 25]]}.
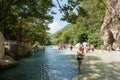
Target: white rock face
{"points": [[110, 29], [2, 48]]}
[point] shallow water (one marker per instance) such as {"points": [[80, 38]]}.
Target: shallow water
{"points": [[49, 65]]}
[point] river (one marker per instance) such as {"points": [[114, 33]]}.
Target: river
{"points": [[52, 64]]}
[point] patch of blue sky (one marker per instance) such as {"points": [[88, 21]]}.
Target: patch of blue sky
{"points": [[57, 23]]}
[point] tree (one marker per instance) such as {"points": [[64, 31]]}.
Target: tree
{"points": [[19, 17], [72, 10], [89, 18]]}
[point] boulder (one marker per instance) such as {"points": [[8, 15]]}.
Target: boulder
{"points": [[13, 51], [17, 50], [7, 62]]}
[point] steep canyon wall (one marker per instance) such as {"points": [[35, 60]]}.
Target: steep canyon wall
{"points": [[110, 29]]}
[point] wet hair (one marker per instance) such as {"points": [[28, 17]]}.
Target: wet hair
{"points": [[80, 48]]}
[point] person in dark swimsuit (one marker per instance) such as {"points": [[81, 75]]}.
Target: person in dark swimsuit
{"points": [[79, 57]]}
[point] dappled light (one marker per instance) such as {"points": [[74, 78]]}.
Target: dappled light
{"points": [[98, 70]]}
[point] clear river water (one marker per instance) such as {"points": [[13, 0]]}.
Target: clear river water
{"points": [[52, 64]]}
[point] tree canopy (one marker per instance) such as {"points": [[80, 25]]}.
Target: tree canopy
{"points": [[29, 19], [86, 26], [21, 19]]}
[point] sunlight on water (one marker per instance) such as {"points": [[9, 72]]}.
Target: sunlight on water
{"points": [[50, 65]]}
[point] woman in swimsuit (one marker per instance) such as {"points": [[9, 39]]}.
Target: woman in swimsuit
{"points": [[79, 56]]}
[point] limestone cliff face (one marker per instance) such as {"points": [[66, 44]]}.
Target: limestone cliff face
{"points": [[2, 48], [18, 49], [110, 29]]}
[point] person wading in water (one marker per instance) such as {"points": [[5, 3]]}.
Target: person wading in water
{"points": [[79, 57]]}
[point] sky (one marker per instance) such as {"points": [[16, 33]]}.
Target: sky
{"points": [[57, 23]]}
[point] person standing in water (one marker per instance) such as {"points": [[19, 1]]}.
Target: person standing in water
{"points": [[79, 57], [71, 46], [43, 49]]}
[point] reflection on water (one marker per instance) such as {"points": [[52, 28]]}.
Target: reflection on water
{"points": [[50, 65]]}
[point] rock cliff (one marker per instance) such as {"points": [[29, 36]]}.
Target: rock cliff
{"points": [[16, 50], [5, 61], [2, 48], [10, 50], [110, 29]]}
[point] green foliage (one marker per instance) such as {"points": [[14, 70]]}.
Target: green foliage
{"points": [[65, 37], [95, 40], [29, 19], [48, 42], [92, 22], [25, 19], [87, 25], [55, 39], [61, 36], [71, 11], [82, 37]]}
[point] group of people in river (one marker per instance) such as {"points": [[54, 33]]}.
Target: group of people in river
{"points": [[65, 46], [38, 48], [85, 45], [82, 49], [62, 46]]}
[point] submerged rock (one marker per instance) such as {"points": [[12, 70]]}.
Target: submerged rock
{"points": [[7, 62]]}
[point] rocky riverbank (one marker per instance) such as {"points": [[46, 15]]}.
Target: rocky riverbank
{"points": [[7, 62], [13, 52]]}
